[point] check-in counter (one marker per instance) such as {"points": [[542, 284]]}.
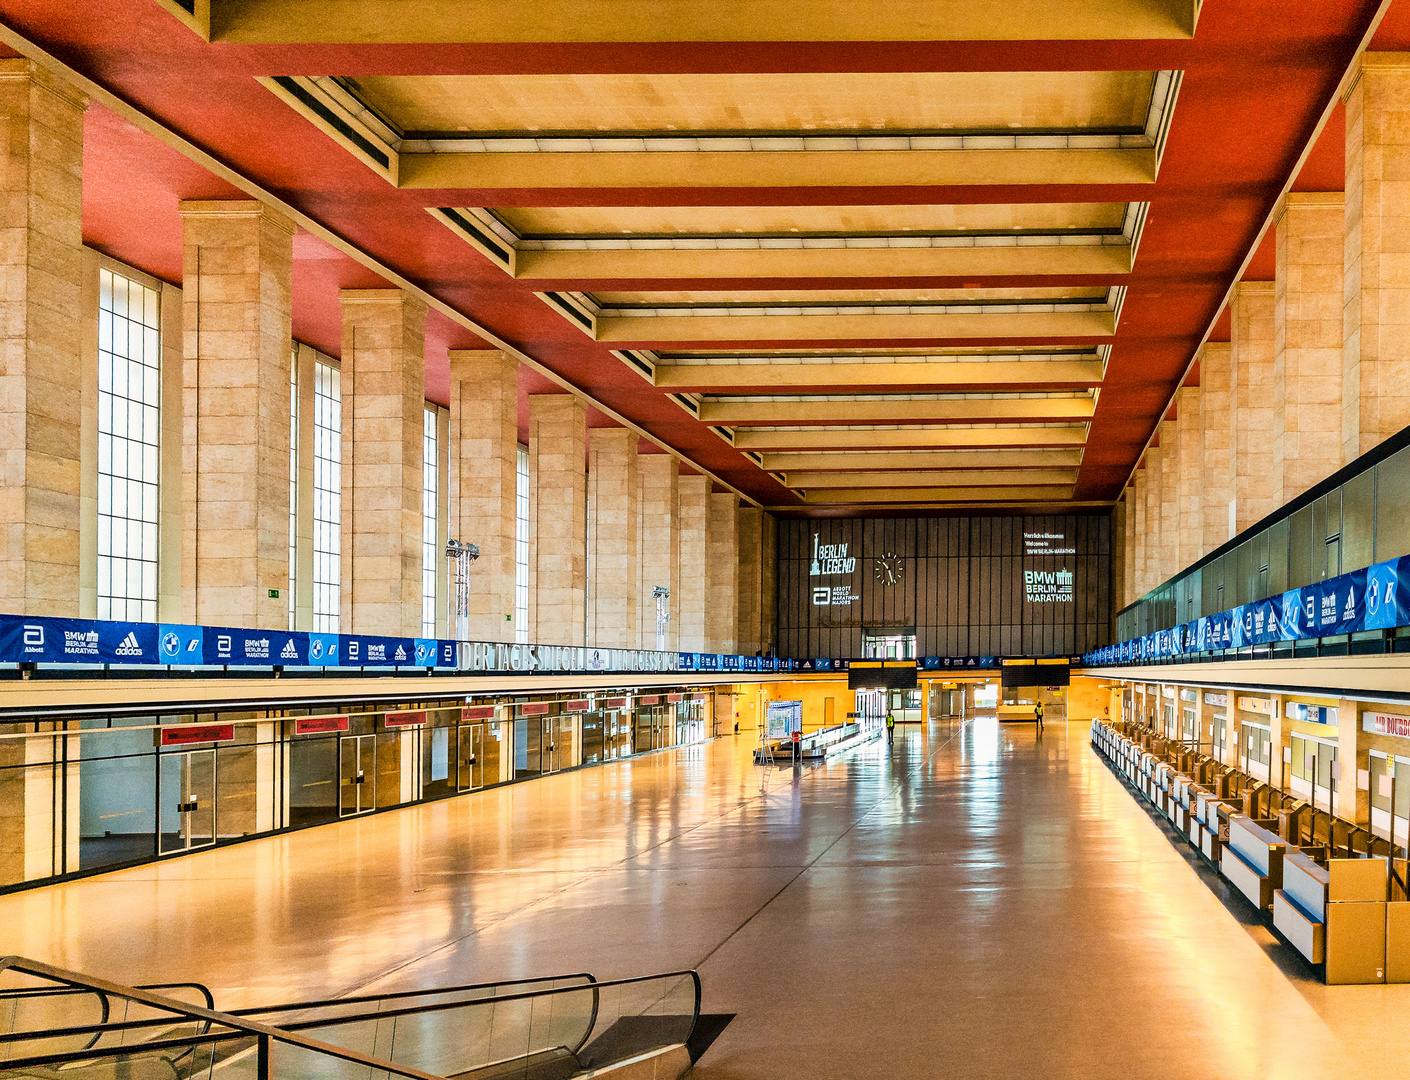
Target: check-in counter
{"points": [[1336, 915], [1253, 861]]}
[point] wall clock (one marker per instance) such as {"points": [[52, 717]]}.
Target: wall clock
{"points": [[889, 568]]}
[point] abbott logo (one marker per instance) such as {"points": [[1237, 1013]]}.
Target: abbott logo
{"points": [[129, 646], [224, 645], [33, 636]]}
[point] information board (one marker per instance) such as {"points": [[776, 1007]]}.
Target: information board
{"points": [[783, 718]]}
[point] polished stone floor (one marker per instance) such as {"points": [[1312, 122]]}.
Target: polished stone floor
{"points": [[976, 902]]}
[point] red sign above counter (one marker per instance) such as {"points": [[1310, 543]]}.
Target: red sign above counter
{"points": [[1385, 724], [674, 698], [614, 703], [319, 725], [653, 699], [197, 733], [534, 708], [405, 719], [478, 712], [576, 705]]}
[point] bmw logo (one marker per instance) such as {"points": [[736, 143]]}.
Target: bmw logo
{"points": [[171, 643], [316, 649]]}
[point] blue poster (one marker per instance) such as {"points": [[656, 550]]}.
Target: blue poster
{"points": [[426, 651], [76, 641], [1385, 594], [446, 654], [181, 644]]}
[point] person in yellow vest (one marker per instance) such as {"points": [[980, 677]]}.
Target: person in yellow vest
{"points": [[890, 728], [1038, 716]]}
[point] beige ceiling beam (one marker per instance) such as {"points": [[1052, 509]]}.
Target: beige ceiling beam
{"points": [[922, 459], [864, 438], [484, 170], [881, 496], [833, 262], [1074, 373], [371, 22], [806, 481], [944, 326], [894, 410]]}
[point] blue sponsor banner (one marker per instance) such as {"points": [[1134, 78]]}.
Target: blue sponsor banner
{"points": [[255, 648], [360, 650], [323, 650], [426, 651], [446, 654], [181, 644], [76, 641], [1385, 594]]}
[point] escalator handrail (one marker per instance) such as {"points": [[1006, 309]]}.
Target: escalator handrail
{"points": [[52, 991], [289, 1035], [596, 987], [290, 1006]]}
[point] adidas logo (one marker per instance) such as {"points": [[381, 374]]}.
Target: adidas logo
{"points": [[289, 652], [128, 646], [401, 653], [1350, 612]]}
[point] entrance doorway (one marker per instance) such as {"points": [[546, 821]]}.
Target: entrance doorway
{"points": [[651, 733], [471, 758], [357, 773], [186, 796]]}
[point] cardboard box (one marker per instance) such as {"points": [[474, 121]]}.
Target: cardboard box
{"points": [[1398, 942], [1356, 943]]}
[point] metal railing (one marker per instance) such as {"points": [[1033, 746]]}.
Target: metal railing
{"points": [[555, 1027]]}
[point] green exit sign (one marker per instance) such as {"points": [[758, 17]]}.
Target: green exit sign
{"points": [[274, 594]]}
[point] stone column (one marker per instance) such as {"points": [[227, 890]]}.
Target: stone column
{"points": [[484, 453], [1307, 343], [722, 573], [384, 400], [1251, 404], [1171, 453], [1353, 801], [768, 583], [694, 508], [41, 335], [237, 327], [305, 359], [1121, 553], [659, 541], [1155, 494], [1140, 531], [750, 599], [1376, 319], [557, 519], [1190, 433], [1216, 487], [613, 612]]}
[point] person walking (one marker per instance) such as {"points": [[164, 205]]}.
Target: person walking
{"points": [[890, 729], [1038, 716]]}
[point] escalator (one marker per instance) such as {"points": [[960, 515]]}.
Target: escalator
{"points": [[56, 1023]]}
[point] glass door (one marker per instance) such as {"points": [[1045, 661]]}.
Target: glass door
{"points": [[357, 773], [556, 743], [469, 757], [186, 796]]}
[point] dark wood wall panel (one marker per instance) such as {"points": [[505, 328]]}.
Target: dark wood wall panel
{"points": [[961, 587]]}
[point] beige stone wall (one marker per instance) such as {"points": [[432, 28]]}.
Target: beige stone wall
{"points": [[722, 573], [1140, 532], [1170, 500], [1251, 399], [305, 360], [750, 600], [1191, 435], [237, 329], [768, 583], [694, 509], [1126, 579], [1216, 486], [1307, 343], [659, 544], [41, 177], [1155, 487], [384, 396], [557, 519], [614, 606], [484, 449], [1376, 255]]}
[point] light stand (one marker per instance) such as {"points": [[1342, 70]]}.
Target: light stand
{"points": [[461, 556], [663, 615]]}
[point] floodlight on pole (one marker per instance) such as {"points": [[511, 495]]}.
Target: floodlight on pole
{"points": [[461, 556], [663, 615]]}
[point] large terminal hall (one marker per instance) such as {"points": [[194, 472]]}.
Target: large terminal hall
{"points": [[746, 539]]}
